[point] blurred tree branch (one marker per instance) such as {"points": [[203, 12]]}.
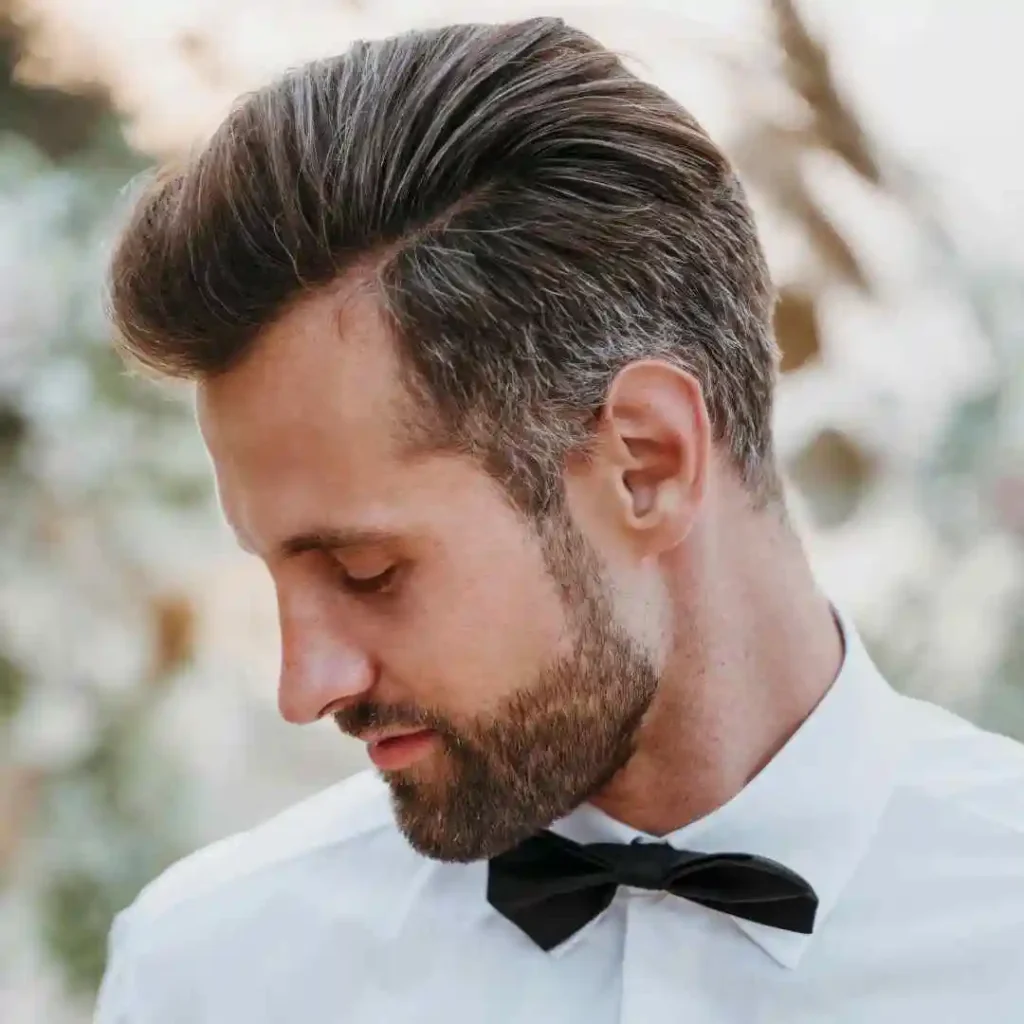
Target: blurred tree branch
{"points": [[58, 123]]}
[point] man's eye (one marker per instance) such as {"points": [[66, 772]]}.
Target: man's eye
{"points": [[377, 584]]}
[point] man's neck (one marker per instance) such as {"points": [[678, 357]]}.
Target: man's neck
{"points": [[752, 658]]}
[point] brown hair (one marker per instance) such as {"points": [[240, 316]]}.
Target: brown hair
{"points": [[534, 216]]}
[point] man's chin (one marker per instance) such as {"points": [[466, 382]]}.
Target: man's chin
{"points": [[437, 823], [419, 794], [450, 847]]}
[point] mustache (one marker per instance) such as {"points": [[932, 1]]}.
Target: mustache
{"points": [[366, 715]]}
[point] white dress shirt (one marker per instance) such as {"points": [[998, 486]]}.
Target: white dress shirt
{"points": [[907, 821]]}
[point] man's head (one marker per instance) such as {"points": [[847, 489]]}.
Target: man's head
{"points": [[477, 319]]}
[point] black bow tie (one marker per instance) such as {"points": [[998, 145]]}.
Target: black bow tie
{"points": [[550, 887]]}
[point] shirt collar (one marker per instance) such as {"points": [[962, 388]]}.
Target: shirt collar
{"points": [[814, 808]]}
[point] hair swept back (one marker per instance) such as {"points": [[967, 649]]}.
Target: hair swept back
{"points": [[534, 216]]}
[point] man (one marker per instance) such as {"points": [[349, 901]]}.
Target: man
{"points": [[481, 336]]}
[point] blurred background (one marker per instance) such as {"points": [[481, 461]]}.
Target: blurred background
{"points": [[883, 144]]}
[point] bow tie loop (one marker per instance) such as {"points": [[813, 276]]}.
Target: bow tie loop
{"points": [[551, 887]]}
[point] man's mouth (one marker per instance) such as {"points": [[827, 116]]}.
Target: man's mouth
{"points": [[394, 749]]}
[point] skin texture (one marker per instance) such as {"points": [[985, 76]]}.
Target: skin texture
{"points": [[649, 650]]}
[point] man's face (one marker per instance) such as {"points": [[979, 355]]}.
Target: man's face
{"points": [[413, 599]]}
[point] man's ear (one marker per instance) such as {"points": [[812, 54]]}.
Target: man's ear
{"points": [[654, 451]]}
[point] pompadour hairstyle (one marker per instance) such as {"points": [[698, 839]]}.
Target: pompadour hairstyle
{"points": [[532, 216]]}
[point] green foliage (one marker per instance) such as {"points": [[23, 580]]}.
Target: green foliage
{"points": [[114, 822], [83, 447], [12, 688], [77, 911]]}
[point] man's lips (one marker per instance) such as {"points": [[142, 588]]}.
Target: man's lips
{"points": [[393, 749], [387, 732]]}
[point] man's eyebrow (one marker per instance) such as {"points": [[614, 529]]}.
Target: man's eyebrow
{"points": [[332, 540], [327, 539]]}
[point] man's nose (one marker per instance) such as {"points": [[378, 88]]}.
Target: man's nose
{"points": [[320, 668]]}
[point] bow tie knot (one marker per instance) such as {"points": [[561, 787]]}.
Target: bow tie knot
{"points": [[640, 865]]}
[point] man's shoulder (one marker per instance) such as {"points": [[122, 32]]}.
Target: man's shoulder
{"points": [[335, 822], [973, 774], [947, 859], [320, 875]]}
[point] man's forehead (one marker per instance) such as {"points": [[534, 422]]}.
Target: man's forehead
{"points": [[326, 363], [305, 424]]}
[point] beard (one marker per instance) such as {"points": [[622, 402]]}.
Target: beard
{"points": [[547, 749]]}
